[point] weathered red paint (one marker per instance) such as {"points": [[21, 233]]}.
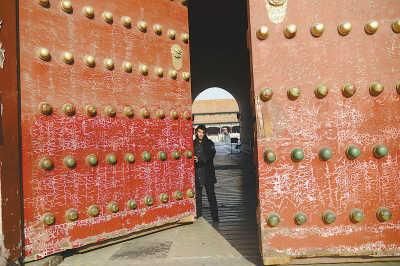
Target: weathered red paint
{"points": [[58, 135], [313, 186]]}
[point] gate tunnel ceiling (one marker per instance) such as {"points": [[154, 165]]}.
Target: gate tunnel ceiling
{"points": [[219, 55]]}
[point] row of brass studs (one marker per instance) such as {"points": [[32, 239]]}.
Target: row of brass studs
{"points": [[72, 214], [70, 110], [108, 63], [108, 17], [318, 29], [329, 217], [321, 91], [325, 154], [70, 162]]}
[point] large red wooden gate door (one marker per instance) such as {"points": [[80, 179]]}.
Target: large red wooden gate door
{"points": [[105, 119], [327, 97]]}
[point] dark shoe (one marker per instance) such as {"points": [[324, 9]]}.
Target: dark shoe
{"points": [[215, 223], [215, 220]]}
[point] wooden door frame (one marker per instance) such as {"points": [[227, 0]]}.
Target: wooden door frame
{"points": [[10, 149]]}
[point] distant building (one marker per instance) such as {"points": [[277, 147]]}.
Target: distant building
{"points": [[220, 116]]}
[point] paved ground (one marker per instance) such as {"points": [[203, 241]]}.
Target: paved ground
{"points": [[196, 244], [236, 196]]}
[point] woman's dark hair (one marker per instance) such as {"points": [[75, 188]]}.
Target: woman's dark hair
{"points": [[202, 127]]}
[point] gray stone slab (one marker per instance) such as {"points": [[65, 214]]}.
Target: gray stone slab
{"points": [[195, 244]]}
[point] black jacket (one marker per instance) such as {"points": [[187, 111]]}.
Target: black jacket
{"points": [[205, 151]]}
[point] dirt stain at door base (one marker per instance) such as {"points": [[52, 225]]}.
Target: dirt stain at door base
{"points": [[151, 249]]}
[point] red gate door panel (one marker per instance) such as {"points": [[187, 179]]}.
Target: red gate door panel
{"points": [[317, 198], [105, 118]]}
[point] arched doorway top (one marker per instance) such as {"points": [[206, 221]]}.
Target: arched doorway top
{"points": [[214, 93], [215, 100]]}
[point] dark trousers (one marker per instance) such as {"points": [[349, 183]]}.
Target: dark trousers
{"points": [[211, 199]]}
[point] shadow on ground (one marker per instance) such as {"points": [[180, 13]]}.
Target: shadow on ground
{"points": [[237, 202]]}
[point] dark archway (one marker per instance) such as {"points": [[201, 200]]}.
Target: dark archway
{"points": [[220, 58]]}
